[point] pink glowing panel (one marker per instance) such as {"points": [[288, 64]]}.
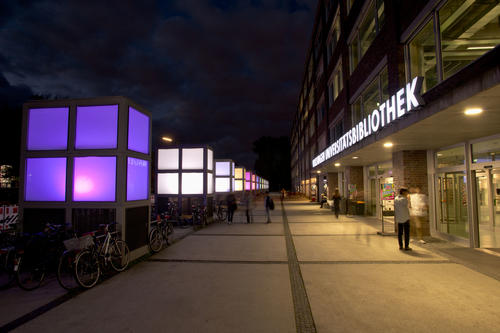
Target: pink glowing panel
{"points": [[45, 179], [248, 186], [48, 129], [248, 176], [137, 179], [96, 127], [253, 178], [138, 131], [94, 179]]}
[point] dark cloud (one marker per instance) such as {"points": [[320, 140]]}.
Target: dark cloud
{"points": [[218, 72]]}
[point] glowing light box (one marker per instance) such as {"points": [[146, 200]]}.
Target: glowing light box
{"points": [[137, 179], [192, 158], [238, 173], [168, 159], [210, 183], [248, 186], [47, 129], [45, 179], [238, 185], [138, 131], [96, 127], [223, 168], [210, 159], [192, 183], [222, 184], [168, 183], [94, 178], [248, 176]]}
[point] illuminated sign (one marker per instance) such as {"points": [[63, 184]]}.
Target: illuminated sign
{"points": [[405, 100]]}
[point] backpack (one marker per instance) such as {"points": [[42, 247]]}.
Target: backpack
{"points": [[271, 204]]}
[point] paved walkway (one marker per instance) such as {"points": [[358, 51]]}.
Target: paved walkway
{"points": [[304, 272]]}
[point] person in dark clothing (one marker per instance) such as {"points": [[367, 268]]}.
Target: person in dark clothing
{"points": [[231, 207], [336, 202], [323, 200], [269, 206]]}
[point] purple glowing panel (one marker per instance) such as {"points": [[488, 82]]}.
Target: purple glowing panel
{"points": [[48, 129], [96, 127], [138, 131], [248, 186], [137, 179], [94, 179], [248, 176], [45, 179]]}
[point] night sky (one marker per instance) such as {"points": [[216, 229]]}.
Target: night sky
{"points": [[218, 72]]}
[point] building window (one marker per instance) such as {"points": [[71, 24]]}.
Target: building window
{"points": [[464, 31], [486, 151], [319, 70], [370, 26], [312, 126], [423, 56], [333, 36], [320, 112], [371, 97], [335, 84], [450, 157], [336, 131]]}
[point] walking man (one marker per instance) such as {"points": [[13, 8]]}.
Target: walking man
{"points": [[231, 207], [336, 202], [402, 217], [269, 207]]}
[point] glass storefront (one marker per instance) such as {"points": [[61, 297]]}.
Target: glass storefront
{"points": [[452, 207], [488, 206]]}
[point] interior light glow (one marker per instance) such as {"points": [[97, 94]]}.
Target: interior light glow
{"points": [[473, 111], [388, 144], [355, 157], [480, 47], [337, 164], [318, 171], [94, 178]]}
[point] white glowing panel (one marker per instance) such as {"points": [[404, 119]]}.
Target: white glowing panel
{"points": [[238, 185], [192, 183], [192, 158], [168, 183], [232, 169], [232, 187], [168, 159], [210, 159], [222, 185], [210, 183], [222, 168]]}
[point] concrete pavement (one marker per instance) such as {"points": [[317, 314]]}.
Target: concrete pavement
{"points": [[304, 272]]}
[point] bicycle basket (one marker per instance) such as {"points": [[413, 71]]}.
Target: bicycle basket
{"points": [[72, 244], [86, 241]]}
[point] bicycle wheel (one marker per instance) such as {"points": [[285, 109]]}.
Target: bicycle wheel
{"points": [[155, 240], [6, 268], [87, 269], [170, 228], [30, 273], [66, 270], [223, 215], [120, 255]]}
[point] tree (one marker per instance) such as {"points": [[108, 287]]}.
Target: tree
{"points": [[273, 161]]}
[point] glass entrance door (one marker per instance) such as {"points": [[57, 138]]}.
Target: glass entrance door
{"points": [[488, 206], [452, 205]]}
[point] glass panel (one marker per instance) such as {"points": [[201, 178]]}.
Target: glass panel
{"points": [[137, 179], [168, 183], [94, 179], [356, 111], [48, 129], [385, 168], [222, 168], [380, 14], [192, 159], [367, 30], [96, 127], [168, 159], [210, 183], [192, 183], [483, 198], [371, 98], [423, 57], [210, 159], [138, 131], [487, 151], [239, 185], [354, 53], [45, 179], [450, 157], [468, 30], [222, 184], [488, 197], [452, 206], [248, 187], [384, 79], [238, 173]]}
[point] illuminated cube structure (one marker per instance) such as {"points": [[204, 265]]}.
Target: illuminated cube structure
{"points": [[239, 179], [86, 162], [224, 178], [184, 173]]}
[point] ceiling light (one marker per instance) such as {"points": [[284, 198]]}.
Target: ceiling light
{"points": [[480, 47], [167, 139], [355, 157], [318, 171], [388, 144], [473, 111], [439, 154], [337, 164]]}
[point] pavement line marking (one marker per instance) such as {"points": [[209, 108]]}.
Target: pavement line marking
{"points": [[370, 262], [304, 320], [210, 261]]}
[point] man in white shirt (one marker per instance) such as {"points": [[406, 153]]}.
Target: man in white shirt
{"points": [[402, 218]]}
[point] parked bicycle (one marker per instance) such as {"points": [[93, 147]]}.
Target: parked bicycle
{"points": [[221, 212], [160, 230], [105, 253], [66, 266], [10, 251], [199, 215]]}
